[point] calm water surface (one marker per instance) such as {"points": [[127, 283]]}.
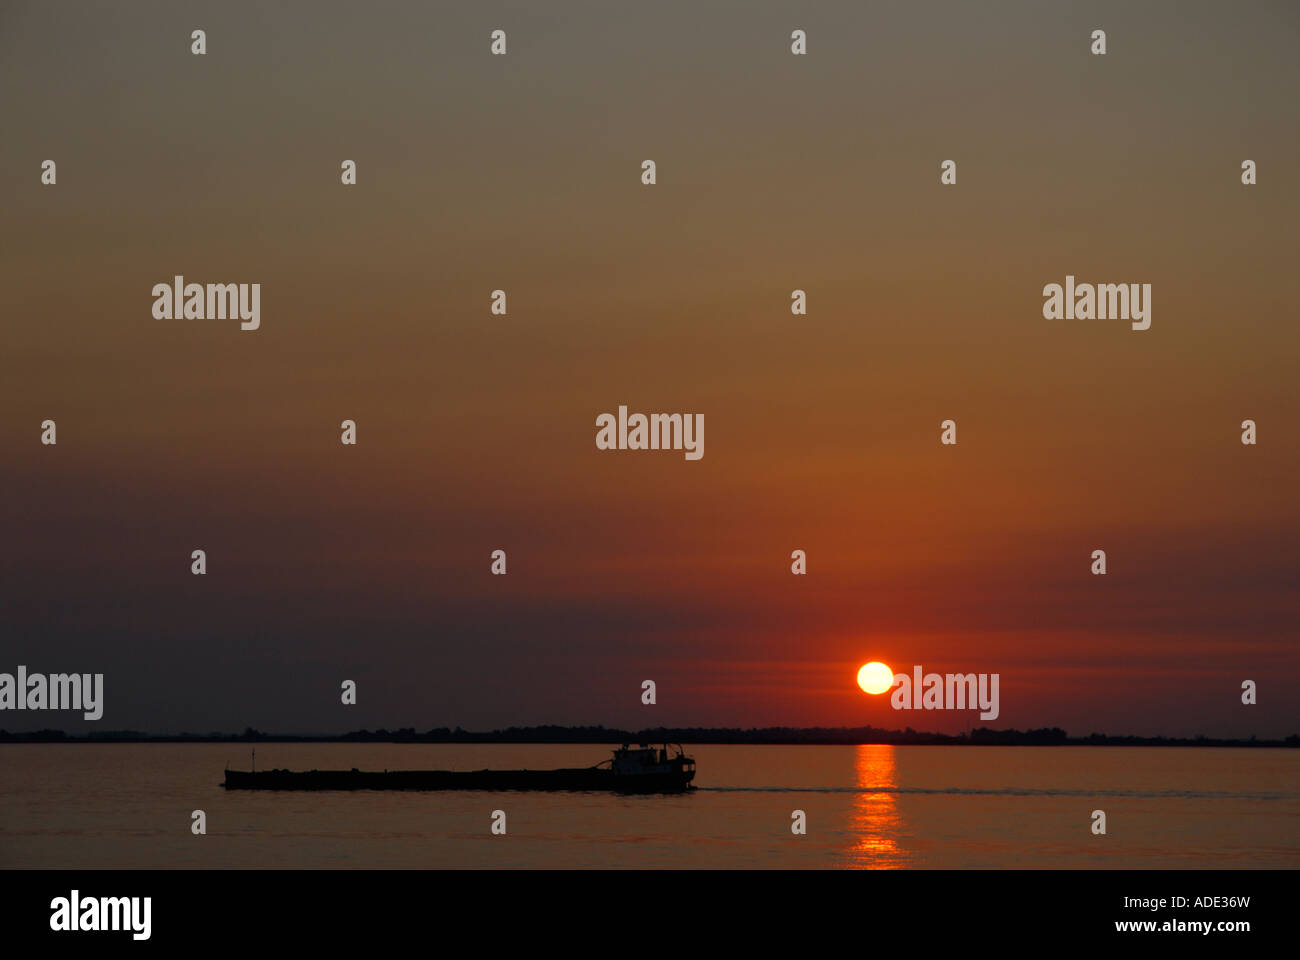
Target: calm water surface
{"points": [[129, 805]]}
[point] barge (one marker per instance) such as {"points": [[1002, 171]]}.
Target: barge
{"points": [[642, 769]]}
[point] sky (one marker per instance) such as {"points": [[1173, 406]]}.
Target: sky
{"points": [[476, 432]]}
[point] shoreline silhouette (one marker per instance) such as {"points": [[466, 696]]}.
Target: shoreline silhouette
{"points": [[758, 736]]}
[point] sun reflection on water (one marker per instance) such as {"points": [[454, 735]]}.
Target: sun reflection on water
{"points": [[875, 822]]}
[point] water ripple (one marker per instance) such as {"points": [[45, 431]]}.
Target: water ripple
{"points": [[1021, 792]]}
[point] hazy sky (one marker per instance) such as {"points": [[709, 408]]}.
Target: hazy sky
{"points": [[476, 432]]}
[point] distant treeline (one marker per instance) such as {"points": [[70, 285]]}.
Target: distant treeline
{"points": [[981, 736]]}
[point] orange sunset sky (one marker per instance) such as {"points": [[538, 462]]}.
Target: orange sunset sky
{"points": [[476, 432]]}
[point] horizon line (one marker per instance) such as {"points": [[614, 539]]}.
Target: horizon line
{"points": [[598, 733]]}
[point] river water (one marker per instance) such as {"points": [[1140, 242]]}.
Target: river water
{"points": [[130, 805]]}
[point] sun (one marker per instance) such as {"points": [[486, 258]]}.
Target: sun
{"points": [[875, 677]]}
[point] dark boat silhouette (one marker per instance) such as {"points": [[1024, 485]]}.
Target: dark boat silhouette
{"points": [[642, 769]]}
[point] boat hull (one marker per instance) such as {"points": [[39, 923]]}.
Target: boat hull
{"points": [[556, 780]]}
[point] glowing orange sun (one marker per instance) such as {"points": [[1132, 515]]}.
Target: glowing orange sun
{"points": [[875, 677]]}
